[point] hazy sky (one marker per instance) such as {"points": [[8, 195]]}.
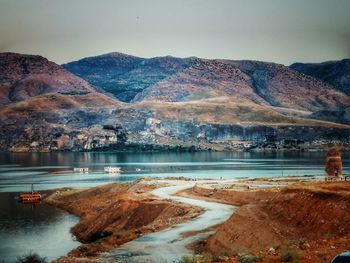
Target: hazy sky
{"points": [[282, 31]]}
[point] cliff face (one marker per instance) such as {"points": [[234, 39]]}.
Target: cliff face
{"points": [[104, 128], [190, 103]]}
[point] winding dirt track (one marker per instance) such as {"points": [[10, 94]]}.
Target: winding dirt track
{"points": [[169, 245]]}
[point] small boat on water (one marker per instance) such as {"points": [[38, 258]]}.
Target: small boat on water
{"points": [[111, 169], [30, 197]]}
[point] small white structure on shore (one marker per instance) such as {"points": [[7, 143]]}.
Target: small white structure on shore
{"points": [[110, 169], [81, 169]]}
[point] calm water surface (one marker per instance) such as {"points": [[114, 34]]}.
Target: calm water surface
{"points": [[20, 169], [33, 228], [45, 229]]}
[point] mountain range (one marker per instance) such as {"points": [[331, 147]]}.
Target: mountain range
{"points": [[119, 102]]}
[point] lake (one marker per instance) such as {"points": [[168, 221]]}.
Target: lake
{"points": [[45, 229]]}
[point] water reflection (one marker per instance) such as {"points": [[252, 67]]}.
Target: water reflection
{"points": [[39, 228], [54, 170]]}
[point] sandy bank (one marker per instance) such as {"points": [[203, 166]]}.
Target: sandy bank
{"points": [[310, 217], [114, 214]]}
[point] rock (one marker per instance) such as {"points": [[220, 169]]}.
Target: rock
{"points": [[272, 251]]}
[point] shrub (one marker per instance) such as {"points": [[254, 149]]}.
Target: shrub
{"points": [[74, 92], [31, 258], [248, 258], [205, 258], [323, 254], [303, 245], [289, 255]]}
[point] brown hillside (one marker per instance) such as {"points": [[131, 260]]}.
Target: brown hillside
{"points": [[205, 79], [315, 214], [260, 82], [283, 87], [113, 214], [227, 110], [25, 76]]}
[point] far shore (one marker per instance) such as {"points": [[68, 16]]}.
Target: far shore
{"points": [[155, 148]]}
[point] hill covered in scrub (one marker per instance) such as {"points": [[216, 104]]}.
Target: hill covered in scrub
{"points": [[123, 75], [335, 73], [121, 102]]}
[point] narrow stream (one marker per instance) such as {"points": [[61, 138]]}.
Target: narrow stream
{"points": [[169, 245]]}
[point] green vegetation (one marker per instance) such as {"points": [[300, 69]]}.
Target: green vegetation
{"points": [[74, 92], [31, 258], [141, 147], [289, 255], [205, 258], [248, 258], [303, 245]]}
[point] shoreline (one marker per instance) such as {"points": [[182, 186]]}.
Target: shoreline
{"points": [[154, 148], [208, 190], [196, 151], [136, 211], [306, 219]]}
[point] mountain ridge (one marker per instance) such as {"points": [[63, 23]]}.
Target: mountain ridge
{"points": [[173, 103], [125, 73], [266, 79]]}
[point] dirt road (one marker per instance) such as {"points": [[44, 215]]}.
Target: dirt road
{"points": [[170, 245]]}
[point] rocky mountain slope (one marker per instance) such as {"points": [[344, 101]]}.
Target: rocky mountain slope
{"points": [[25, 76], [123, 75], [184, 104], [33, 90], [335, 73], [260, 82], [134, 79]]}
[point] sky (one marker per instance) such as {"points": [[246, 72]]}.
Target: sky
{"points": [[281, 31]]}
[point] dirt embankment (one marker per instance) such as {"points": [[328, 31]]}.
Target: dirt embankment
{"points": [[113, 214], [311, 218]]}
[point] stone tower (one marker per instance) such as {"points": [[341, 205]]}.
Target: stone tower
{"points": [[334, 166]]}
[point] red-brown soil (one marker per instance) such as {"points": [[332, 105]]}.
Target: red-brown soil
{"points": [[114, 214], [26, 76], [312, 218]]}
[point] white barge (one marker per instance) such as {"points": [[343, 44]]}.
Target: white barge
{"points": [[81, 170], [111, 169]]}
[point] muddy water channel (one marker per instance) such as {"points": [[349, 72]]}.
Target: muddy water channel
{"points": [[170, 245]]}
